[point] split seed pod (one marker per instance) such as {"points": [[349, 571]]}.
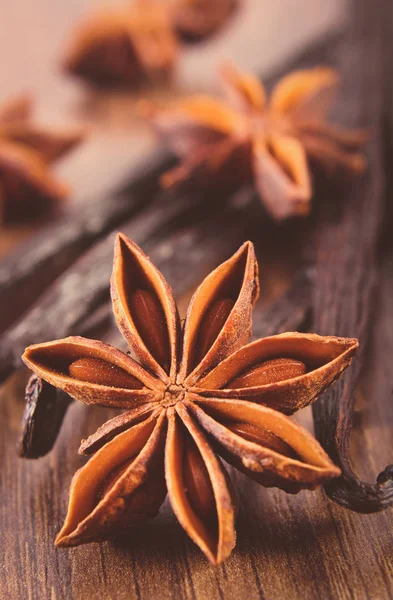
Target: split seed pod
{"points": [[191, 395], [248, 138]]}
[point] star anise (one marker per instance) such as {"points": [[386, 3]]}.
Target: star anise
{"points": [[138, 43], [27, 186], [195, 393], [250, 138], [124, 45]]}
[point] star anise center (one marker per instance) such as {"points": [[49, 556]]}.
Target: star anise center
{"points": [[173, 394], [263, 123]]}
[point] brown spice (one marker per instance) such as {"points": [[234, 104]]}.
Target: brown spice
{"points": [[27, 186], [181, 407], [252, 139], [123, 46], [139, 43]]}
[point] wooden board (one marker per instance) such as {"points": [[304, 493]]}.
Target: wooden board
{"points": [[288, 546]]}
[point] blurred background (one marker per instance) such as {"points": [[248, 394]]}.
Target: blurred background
{"points": [[260, 36]]}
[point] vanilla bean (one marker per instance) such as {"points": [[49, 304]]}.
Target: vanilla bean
{"points": [[346, 244], [42, 418]]}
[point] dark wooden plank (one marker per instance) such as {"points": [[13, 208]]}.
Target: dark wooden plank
{"points": [[347, 234]]}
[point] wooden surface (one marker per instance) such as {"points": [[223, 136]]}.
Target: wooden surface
{"points": [[288, 547]]}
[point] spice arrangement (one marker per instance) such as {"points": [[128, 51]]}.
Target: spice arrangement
{"points": [[27, 186], [190, 407], [188, 384], [141, 42], [252, 139]]}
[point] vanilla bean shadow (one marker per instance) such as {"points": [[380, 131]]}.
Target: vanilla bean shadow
{"points": [[346, 243]]}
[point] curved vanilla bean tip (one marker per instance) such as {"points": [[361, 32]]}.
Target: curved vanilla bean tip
{"points": [[348, 490], [91, 372], [219, 315], [386, 476], [42, 418], [120, 486], [352, 493]]}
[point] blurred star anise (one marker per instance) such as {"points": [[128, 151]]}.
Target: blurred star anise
{"points": [[195, 393], [124, 45], [138, 43], [27, 186], [250, 138]]}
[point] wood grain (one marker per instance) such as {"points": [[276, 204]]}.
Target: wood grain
{"points": [[300, 546]]}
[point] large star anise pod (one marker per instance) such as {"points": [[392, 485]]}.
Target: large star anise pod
{"points": [[250, 138], [27, 186], [124, 45], [196, 393]]}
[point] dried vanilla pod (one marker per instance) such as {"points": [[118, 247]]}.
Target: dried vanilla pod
{"points": [[181, 412], [249, 138], [124, 46], [44, 412], [27, 186]]}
